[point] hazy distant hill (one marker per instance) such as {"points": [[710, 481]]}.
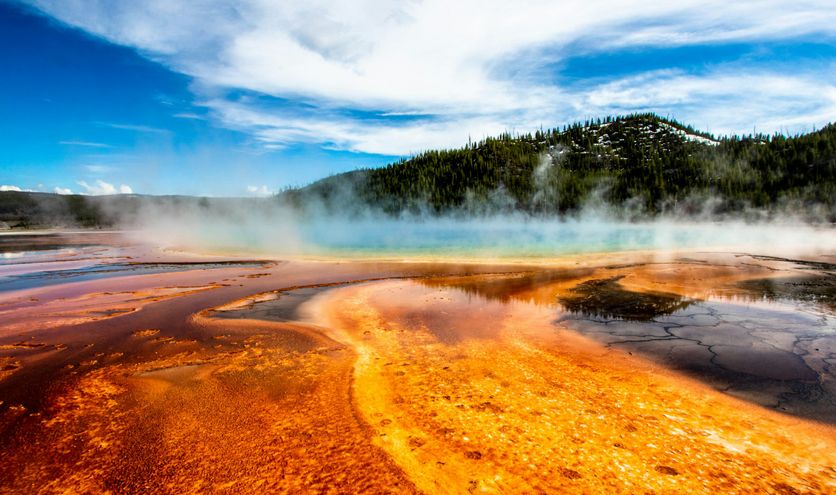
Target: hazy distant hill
{"points": [[32, 209], [29, 210], [640, 163]]}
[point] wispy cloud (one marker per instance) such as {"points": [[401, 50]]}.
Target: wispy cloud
{"points": [[782, 102], [87, 144], [7, 187], [62, 190], [99, 169], [276, 131], [134, 127], [463, 68], [188, 115], [788, 102]]}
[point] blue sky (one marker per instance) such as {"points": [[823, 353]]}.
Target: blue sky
{"points": [[243, 98]]}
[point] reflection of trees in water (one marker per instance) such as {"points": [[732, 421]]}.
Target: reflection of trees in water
{"points": [[817, 289], [601, 297], [509, 286], [607, 298]]}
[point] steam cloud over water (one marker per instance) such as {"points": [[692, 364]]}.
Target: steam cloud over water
{"points": [[263, 227]]}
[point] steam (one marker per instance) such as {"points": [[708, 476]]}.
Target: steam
{"points": [[267, 227], [226, 226], [337, 221], [545, 175]]}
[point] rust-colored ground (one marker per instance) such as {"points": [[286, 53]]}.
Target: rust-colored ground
{"points": [[417, 377], [488, 397]]}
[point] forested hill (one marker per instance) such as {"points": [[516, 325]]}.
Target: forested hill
{"points": [[647, 162]]}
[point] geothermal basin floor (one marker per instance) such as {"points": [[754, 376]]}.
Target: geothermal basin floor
{"points": [[614, 373]]}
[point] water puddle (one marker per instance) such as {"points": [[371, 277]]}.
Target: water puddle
{"points": [[108, 270], [773, 354], [278, 306], [16, 257], [819, 290]]}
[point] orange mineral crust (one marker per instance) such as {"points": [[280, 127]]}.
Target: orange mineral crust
{"points": [[178, 375], [488, 397]]}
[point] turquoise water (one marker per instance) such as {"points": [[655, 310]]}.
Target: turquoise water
{"points": [[484, 237], [532, 238]]}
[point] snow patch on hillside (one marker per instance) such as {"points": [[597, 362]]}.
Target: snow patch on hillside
{"points": [[689, 136]]}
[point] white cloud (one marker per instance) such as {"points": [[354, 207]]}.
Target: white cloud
{"points": [[469, 67], [342, 133], [188, 115], [135, 128], [101, 187], [88, 144], [98, 169], [790, 102], [62, 190], [6, 187], [259, 190]]}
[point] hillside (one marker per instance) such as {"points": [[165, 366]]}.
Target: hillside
{"points": [[34, 210], [642, 161]]}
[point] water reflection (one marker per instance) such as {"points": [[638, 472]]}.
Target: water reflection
{"points": [[108, 270], [607, 298], [820, 290]]}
